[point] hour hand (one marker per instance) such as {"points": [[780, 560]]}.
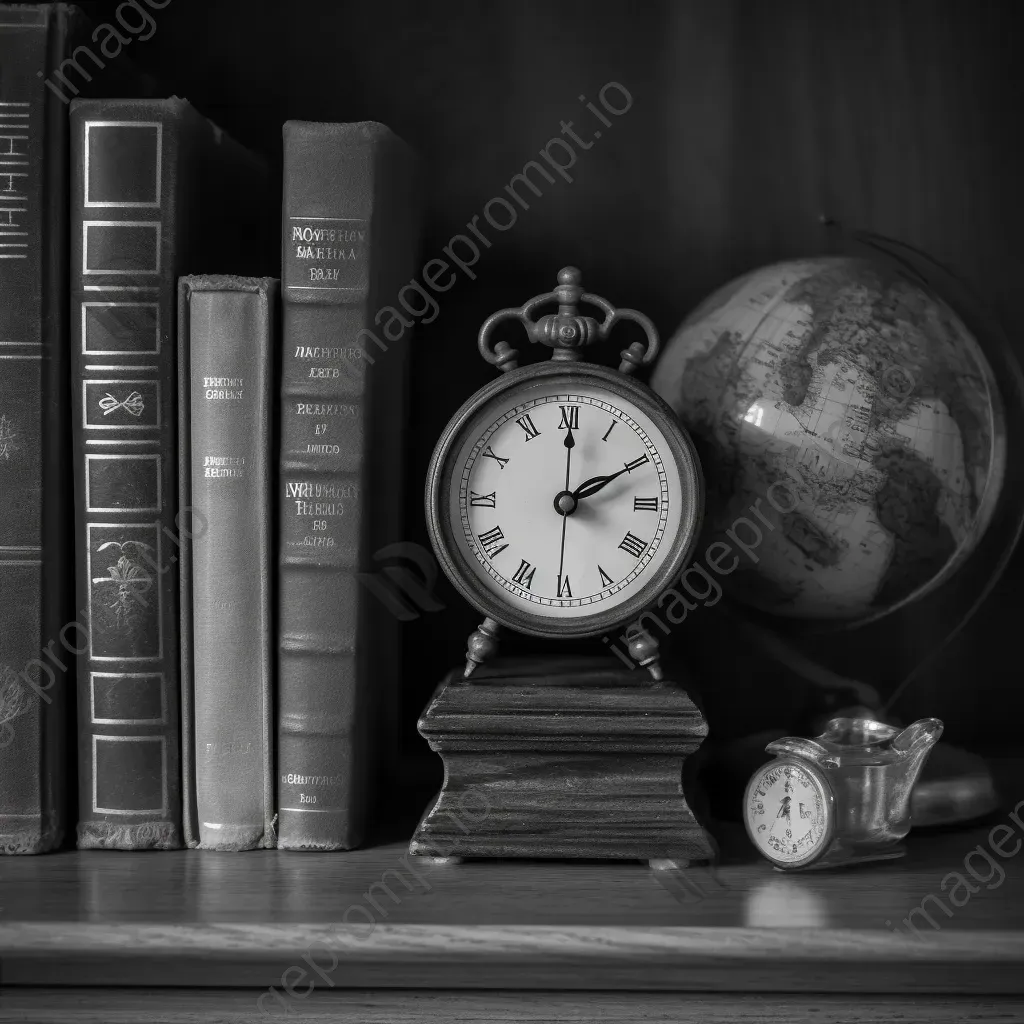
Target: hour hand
{"points": [[595, 483]]}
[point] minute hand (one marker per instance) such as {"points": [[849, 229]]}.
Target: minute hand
{"points": [[595, 483]]}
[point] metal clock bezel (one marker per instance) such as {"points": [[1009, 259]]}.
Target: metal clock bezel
{"points": [[440, 481], [828, 801]]}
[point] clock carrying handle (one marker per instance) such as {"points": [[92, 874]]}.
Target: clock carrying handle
{"points": [[566, 332]]}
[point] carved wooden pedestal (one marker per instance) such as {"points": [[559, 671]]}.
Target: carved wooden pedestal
{"points": [[561, 758]]}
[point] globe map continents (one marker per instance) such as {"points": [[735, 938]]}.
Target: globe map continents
{"points": [[856, 409]]}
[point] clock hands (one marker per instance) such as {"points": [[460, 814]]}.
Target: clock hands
{"points": [[565, 500], [565, 503], [596, 483]]}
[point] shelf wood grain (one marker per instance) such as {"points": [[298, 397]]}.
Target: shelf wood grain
{"points": [[183, 1006], [391, 921]]}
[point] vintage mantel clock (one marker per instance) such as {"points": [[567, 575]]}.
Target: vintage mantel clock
{"points": [[562, 499]]}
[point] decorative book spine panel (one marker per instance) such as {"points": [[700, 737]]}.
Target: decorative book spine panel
{"points": [[226, 349], [349, 242], [33, 458], [125, 163]]}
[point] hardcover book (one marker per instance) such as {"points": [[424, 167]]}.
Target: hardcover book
{"points": [[350, 233], [227, 357], [158, 192], [39, 631]]}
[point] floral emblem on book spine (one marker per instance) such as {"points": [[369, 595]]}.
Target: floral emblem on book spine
{"points": [[134, 404], [7, 439], [132, 581], [14, 695]]}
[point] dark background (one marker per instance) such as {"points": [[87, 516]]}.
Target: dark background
{"points": [[749, 121]]}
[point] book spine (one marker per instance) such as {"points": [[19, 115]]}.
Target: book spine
{"points": [[226, 349], [349, 230], [34, 590], [125, 164]]}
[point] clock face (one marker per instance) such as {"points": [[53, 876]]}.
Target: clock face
{"points": [[567, 500], [788, 813]]}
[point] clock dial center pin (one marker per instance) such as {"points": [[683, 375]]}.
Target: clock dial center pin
{"points": [[565, 503]]}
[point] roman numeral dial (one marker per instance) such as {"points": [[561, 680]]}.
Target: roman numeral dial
{"points": [[489, 454], [524, 574], [491, 542], [586, 490], [633, 545], [570, 417], [526, 422]]}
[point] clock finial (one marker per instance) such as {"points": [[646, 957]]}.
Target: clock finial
{"points": [[569, 290], [567, 332]]}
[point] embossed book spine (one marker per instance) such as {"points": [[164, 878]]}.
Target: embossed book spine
{"points": [[226, 355], [158, 191], [350, 234], [37, 635]]}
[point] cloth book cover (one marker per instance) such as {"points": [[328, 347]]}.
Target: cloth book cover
{"points": [[227, 329]]}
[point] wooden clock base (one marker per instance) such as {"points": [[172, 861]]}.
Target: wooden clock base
{"points": [[561, 758]]}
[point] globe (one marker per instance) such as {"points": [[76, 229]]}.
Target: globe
{"points": [[851, 434]]}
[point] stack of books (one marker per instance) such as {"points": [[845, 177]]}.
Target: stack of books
{"points": [[200, 446]]}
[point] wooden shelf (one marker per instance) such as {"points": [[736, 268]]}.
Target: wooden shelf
{"points": [[227, 1006], [206, 919]]}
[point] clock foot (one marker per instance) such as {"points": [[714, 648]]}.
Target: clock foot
{"points": [[426, 858], [644, 650], [482, 646], [668, 865]]}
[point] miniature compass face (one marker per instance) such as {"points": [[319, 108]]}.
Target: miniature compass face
{"points": [[567, 501], [788, 812]]}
